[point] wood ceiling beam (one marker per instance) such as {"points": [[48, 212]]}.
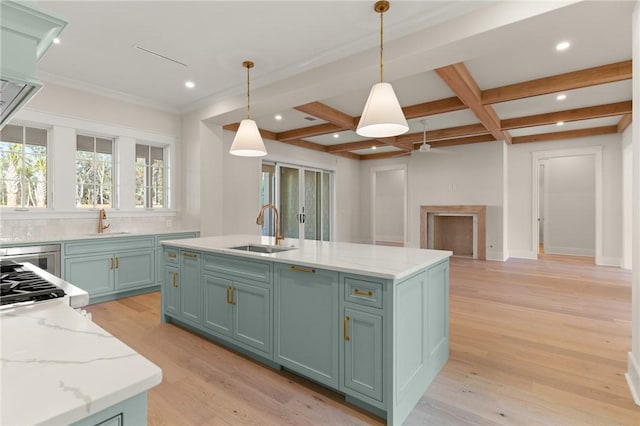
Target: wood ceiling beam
{"points": [[572, 80], [353, 146], [587, 113], [382, 155], [266, 134], [459, 141], [458, 78], [434, 107], [569, 134], [624, 123], [326, 113], [306, 144], [307, 132], [439, 134]]}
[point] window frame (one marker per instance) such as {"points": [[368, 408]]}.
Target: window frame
{"points": [[114, 169], [166, 181], [48, 174]]}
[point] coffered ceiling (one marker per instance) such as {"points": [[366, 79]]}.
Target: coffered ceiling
{"points": [[477, 70]]}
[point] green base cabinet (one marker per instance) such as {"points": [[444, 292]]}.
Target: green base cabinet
{"points": [[307, 316], [91, 273], [130, 412], [190, 287]]}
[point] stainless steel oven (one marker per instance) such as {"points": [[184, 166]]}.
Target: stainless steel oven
{"points": [[45, 257]]}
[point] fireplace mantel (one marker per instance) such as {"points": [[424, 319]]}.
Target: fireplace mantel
{"points": [[480, 212]]}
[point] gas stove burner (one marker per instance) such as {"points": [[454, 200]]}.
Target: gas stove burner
{"points": [[23, 286], [9, 265]]}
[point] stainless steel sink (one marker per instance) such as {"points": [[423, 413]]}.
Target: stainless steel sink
{"points": [[257, 248]]}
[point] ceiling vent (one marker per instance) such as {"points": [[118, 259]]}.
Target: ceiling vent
{"points": [[309, 118], [159, 55]]}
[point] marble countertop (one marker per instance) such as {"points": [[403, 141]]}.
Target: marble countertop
{"points": [[364, 259], [58, 367], [54, 238]]}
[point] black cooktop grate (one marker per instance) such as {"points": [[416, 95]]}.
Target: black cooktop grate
{"points": [[24, 286]]}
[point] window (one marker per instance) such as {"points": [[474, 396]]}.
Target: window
{"points": [[303, 197], [23, 167], [94, 172], [150, 177]]}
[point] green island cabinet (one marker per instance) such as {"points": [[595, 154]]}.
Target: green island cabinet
{"points": [[113, 267], [378, 341]]}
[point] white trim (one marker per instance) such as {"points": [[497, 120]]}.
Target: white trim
{"points": [[536, 158], [11, 214], [286, 161], [610, 261], [498, 256], [633, 378], [523, 254], [386, 168], [571, 251]]}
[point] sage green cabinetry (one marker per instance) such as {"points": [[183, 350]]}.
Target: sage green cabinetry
{"points": [[107, 267], [190, 287], [307, 315], [166, 237], [363, 338]]}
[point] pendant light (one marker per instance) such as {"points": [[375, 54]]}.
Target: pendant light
{"points": [[382, 116], [248, 142]]}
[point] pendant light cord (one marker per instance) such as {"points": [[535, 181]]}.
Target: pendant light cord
{"points": [[248, 95], [381, 44]]}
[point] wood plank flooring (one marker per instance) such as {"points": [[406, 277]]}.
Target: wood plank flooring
{"points": [[532, 343]]}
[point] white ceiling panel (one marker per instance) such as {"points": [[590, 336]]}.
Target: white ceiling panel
{"points": [[343, 137], [291, 119], [378, 150], [443, 121]]}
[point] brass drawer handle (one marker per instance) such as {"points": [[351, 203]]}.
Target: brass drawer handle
{"points": [[175, 276], [346, 328], [185, 254], [359, 292], [299, 269], [231, 296], [171, 255], [111, 263], [117, 262]]}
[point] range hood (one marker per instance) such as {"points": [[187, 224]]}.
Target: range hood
{"points": [[27, 33]]}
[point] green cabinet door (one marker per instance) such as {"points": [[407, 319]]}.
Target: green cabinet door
{"points": [[135, 269], [306, 319], [252, 316], [190, 287], [171, 290], [362, 337], [95, 274], [218, 313]]}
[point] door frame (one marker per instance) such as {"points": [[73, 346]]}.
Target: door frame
{"points": [[537, 158], [374, 171]]}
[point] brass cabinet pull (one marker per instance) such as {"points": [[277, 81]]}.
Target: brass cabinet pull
{"points": [[233, 295], [186, 254], [175, 276], [117, 262], [171, 255], [111, 263], [362, 292], [228, 296], [299, 269], [346, 328]]}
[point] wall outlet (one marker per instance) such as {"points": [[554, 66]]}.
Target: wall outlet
{"points": [[169, 223]]}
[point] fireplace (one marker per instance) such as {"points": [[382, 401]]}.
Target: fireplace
{"points": [[460, 229]]}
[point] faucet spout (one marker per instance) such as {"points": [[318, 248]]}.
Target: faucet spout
{"points": [[260, 220], [102, 216]]}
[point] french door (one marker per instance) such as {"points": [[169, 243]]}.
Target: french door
{"points": [[303, 198]]}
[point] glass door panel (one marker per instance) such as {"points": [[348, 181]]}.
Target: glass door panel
{"points": [[312, 202], [289, 199]]}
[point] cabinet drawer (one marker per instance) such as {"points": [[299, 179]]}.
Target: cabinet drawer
{"points": [[363, 292], [108, 245], [171, 256], [252, 269]]}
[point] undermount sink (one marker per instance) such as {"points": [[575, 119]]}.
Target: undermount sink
{"points": [[256, 248], [107, 234]]}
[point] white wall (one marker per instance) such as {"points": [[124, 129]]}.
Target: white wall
{"points": [[570, 197], [520, 194], [470, 174], [389, 205], [627, 197]]}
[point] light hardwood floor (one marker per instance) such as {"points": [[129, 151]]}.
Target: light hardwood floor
{"points": [[532, 343]]}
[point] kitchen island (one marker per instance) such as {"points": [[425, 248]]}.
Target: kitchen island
{"points": [[368, 321], [59, 368]]}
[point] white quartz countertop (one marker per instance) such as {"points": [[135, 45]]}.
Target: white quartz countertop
{"points": [[58, 367], [364, 259], [54, 237]]}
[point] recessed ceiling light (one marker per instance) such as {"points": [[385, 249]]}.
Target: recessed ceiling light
{"points": [[56, 40], [190, 84], [563, 45], [560, 123], [374, 147], [336, 136], [561, 97], [278, 117]]}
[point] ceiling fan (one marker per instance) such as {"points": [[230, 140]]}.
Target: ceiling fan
{"points": [[425, 147]]}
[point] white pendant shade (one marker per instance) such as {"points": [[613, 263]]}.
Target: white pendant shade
{"points": [[382, 116], [248, 142]]}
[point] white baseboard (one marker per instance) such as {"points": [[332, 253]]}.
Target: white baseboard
{"points": [[496, 255], [609, 261], [523, 254], [633, 378]]}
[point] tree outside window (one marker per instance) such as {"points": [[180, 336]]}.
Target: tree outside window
{"points": [[94, 172], [150, 177], [23, 167]]}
